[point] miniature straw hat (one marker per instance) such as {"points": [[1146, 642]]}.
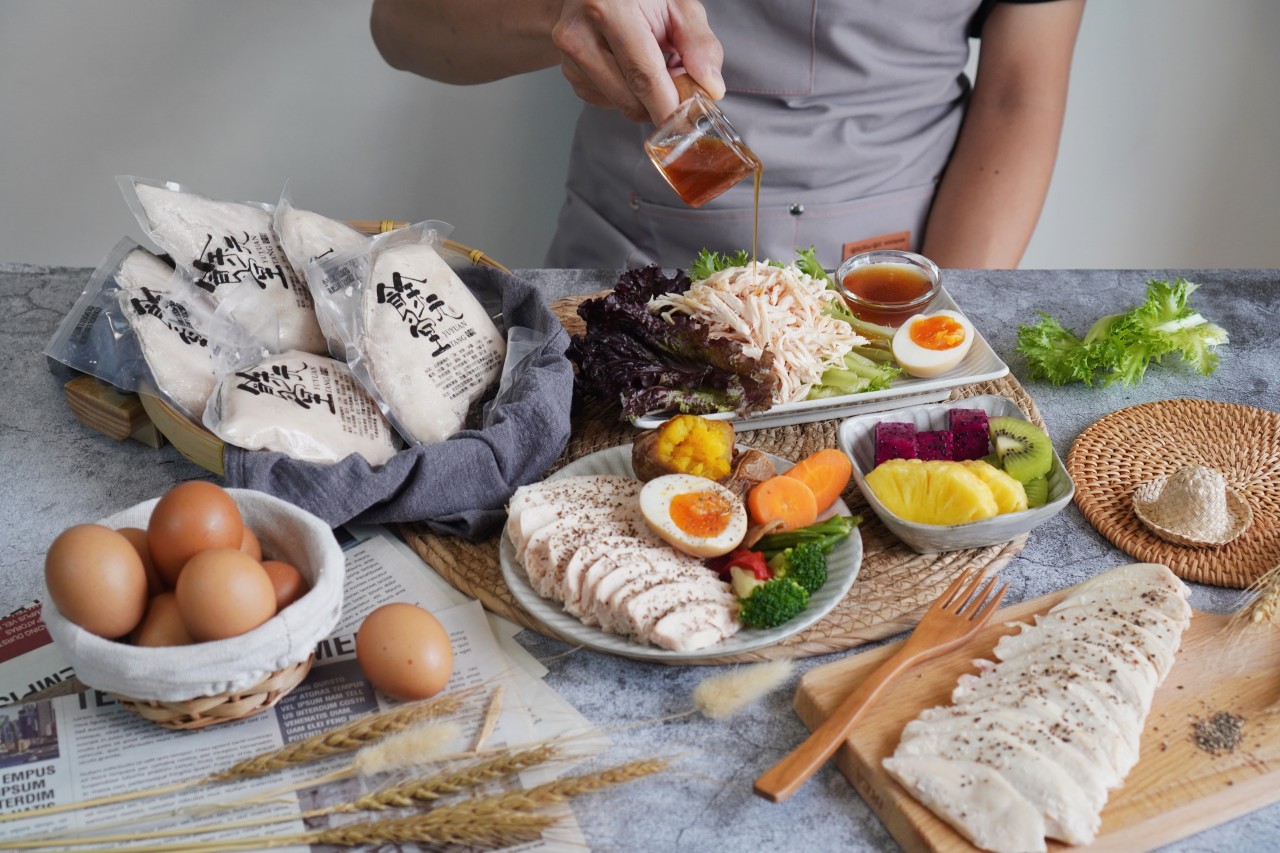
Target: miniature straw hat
{"points": [[1192, 506]]}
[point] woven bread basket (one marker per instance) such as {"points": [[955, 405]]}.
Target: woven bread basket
{"points": [[193, 686], [204, 448]]}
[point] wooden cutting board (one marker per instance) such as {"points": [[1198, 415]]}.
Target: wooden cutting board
{"points": [[1176, 789]]}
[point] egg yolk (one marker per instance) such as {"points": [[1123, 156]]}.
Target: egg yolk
{"points": [[938, 332], [701, 513]]}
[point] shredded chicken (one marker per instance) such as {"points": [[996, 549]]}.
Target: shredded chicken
{"points": [[770, 309]]}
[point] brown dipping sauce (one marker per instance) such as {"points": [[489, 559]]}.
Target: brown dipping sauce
{"points": [[888, 293]]}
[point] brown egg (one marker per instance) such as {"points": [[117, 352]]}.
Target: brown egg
{"points": [[190, 518], [138, 538], [223, 593], [96, 579], [404, 651], [250, 544], [289, 583], [162, 625]]}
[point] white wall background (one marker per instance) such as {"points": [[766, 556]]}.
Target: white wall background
{"points": [[1169, 156]]}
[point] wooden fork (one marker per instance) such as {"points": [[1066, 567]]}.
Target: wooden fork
{"points": [[955, 617]]}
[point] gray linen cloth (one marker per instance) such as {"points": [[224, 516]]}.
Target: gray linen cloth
{"points": [[459, 486]]}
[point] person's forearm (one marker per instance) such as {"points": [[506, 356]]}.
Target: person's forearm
{"points": [[995, 183], [994, 187], [466, 41]]}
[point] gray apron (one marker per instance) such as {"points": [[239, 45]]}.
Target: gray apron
{"points": [[852, 107]]}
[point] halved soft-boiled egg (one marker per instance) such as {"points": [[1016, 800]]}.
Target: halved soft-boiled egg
{"points": [[931, 344], [698, 516]]}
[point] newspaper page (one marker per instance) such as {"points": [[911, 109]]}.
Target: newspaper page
{"points": [[29, 661], [71, 749]]}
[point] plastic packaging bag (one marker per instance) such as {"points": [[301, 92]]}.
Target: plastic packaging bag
{"points": [[306, 237], [94, 337], [306, 406], [228, 248], [139, 327], [416, 337], [459, 486]]}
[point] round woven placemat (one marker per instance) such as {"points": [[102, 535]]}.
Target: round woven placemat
{"points": [[1130, 446], [894, 586]]}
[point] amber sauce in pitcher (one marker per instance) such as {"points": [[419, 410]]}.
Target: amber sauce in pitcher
{"points": [[702, 160]]}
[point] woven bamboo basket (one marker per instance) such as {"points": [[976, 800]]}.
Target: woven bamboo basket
{"points": [[223, 707], [177, 687], [204, 448]]}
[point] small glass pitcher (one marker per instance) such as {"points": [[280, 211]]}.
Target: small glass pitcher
{"points": [[696, 148]]}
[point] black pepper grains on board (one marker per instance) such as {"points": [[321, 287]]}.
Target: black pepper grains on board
{"points": [[1219, 733]]}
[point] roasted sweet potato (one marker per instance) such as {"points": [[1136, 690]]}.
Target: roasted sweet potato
{"points": [[686, 444]]}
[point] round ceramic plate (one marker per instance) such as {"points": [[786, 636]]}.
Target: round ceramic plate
{"points": [[842, 568]]}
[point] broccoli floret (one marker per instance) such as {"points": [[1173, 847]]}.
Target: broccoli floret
{"points": [[773, 603], [805, 564]]}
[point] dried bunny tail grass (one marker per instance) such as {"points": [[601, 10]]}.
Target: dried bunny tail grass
{"points": [[341, 739], [416, 745], [1263, 610], [724, 695]]}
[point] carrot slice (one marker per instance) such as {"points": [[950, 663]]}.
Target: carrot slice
{"points": [[826, 473], [784, 499]]}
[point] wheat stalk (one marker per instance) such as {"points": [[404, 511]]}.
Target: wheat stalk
{"points": [[1263, 610], [400, 795], [340, 739], [494, 821], [453, 781]]}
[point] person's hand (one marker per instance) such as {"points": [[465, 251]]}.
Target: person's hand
{"points": [[619, 53]]}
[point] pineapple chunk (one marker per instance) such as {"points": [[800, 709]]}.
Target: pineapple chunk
{"points": [[934, 492], [1010, 494]]}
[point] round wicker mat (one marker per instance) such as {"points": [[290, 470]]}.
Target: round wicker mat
{"points": [[894, 586], [1130, 446]]}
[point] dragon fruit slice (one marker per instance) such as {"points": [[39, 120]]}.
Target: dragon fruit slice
{"points": [[969, 433], [895, 441], [936, 444]]}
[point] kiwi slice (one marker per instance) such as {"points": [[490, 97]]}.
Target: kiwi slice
{"points": [[1037, 492], [1025, 451]]}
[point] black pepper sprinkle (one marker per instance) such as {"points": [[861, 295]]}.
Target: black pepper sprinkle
{"points": [[1219, 733]]}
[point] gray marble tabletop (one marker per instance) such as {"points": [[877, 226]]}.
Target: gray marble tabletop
{"points": [[57, 472]]}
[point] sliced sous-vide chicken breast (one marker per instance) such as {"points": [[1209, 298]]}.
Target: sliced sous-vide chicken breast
{"points": [[696, 625], [975, 799], [1029, 728], [583, 541], [539, 504], [1057, 717], [636, 615], [1066, 810]]}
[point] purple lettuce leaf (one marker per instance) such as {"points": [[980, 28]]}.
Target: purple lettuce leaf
{"points": [[652, 364]]}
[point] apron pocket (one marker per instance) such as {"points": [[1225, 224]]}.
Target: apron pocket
{"points": [[673, 235]]}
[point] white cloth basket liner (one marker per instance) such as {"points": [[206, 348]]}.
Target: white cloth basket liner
{"points": [[180, 673]]}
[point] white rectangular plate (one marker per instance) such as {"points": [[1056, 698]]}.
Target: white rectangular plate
{"points": [[980, 364]]}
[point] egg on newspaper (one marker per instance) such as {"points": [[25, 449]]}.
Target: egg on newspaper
{"points": [[1031, 745], [584, 541]]}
